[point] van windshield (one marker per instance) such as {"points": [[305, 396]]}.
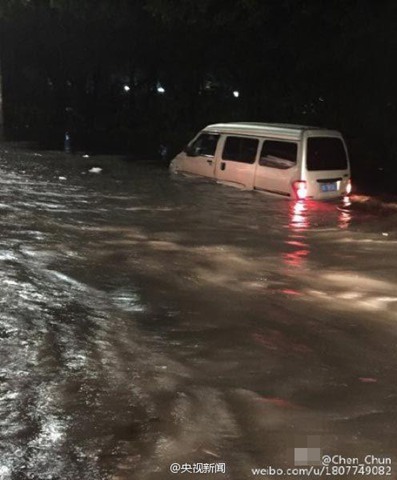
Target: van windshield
{"points": [[326, 153]]}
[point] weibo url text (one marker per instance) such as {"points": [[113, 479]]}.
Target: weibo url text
{"points": [[330, 465], [324, 470]]}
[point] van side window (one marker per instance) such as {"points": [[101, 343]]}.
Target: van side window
{"points": [[240, 149], [204, 145], [278, 154]]}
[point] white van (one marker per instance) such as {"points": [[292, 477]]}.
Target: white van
{"points": [[291, 160]]}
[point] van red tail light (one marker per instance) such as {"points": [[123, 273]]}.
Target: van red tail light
{"points": [[349, 187], [300, 189]]}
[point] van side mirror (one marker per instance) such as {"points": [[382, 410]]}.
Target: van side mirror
{"points": [[188, 150]]}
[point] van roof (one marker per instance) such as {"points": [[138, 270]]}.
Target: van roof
{"points": [[252, 128]]}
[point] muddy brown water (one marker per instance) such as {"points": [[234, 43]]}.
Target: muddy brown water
{"points": [[148, 320]]}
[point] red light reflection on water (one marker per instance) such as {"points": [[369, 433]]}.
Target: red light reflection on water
{"points": [[298, 223], [295, 259], [298, 219], [304, 215], [345, 217], [289, 291]]}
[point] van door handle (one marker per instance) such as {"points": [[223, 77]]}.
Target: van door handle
{"points": [[209, 162], [223, 166]]}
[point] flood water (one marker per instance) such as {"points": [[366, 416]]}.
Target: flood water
{"points": [[148, 319]]}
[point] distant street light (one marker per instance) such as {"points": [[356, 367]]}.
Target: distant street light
{"points": [[127, 88], [160, 89], [236, 94]]}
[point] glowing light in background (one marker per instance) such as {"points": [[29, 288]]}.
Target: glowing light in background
{"points": [[160, 89], [126, 88], [236, 94]]}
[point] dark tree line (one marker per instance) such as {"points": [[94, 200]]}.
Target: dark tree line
{"points": [[68, 65]]}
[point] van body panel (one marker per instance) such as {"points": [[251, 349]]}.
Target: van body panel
{"points": [[275, 181], [273, 130], [199, 165], [325, 186], [241, 174], [275, 158]]}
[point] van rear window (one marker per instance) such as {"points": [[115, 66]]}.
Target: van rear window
{"points": [[326, 153]]}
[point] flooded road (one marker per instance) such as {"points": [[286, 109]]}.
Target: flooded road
{"points": [[148, 320]]}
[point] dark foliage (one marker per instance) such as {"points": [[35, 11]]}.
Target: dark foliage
{"points": [[65, 64]]}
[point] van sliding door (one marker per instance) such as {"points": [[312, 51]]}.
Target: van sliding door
{"points": [[236, 165], [277, 166]]}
